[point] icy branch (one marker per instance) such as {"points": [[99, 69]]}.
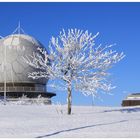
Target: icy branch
{"points": [[73, 58]]}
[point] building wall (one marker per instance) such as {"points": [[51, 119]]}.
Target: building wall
{"points": [[131, 103]]}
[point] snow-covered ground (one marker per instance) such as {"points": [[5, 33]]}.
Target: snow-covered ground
{"points": [[42, 121]]}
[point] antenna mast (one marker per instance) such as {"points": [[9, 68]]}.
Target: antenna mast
{"points": [[19, 28], [5, 74]]}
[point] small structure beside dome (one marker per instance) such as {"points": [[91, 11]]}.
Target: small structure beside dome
{"points": [[132, 100], [15, 71]]}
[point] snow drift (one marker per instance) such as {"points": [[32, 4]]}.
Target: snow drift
{"points": [[43, 121]]}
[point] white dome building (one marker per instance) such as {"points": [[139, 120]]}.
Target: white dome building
{"points": [[14, 70]]}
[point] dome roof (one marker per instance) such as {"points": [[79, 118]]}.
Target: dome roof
{"points": [[17, 39], [18, 46]]}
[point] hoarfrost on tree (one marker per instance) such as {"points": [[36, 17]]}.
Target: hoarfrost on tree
{"points": [[74, 59]]}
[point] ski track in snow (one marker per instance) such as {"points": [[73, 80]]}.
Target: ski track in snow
{"points": [[42, 121]]}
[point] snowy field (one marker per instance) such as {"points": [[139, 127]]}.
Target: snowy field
{"points": [[40, 121]]}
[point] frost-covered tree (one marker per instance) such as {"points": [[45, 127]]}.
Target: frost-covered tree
{"points": [[74, 59]]}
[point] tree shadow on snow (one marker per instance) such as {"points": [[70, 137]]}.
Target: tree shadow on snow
{"points": [[78, 128], [122, 110], [128, 110]]}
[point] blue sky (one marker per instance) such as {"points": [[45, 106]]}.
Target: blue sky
{"points": [[117, 23]]}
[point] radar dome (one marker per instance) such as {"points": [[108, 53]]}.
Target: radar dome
{"points": [[18, 46], [14, 71]]}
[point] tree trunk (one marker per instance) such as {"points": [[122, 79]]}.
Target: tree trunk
{"points": [[69, 99]]}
